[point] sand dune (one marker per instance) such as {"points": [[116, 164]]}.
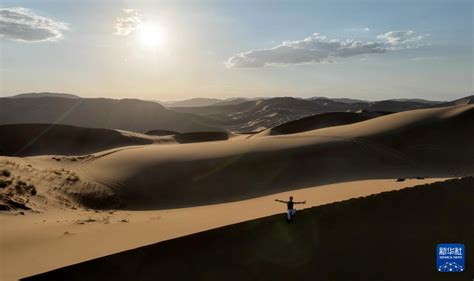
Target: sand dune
{"points": [[53, 139], [428, 142], [320, 121], [164, 192], [161, 133], [390, 236], [201, 137], [59, 237], [438, 139], [191, 137], [44, 139]]}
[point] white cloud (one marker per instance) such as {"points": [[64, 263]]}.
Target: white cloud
{"points": [[319, 49], [366, 29], [21, 24], [128, 24], [397, 40], [313, 49]]}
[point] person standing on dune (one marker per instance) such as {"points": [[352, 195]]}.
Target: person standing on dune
{"points": [[290, 210]]}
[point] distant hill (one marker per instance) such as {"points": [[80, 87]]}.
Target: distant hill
{"points": [[344, 100], [191, 102], [233, 101], [126, 114], [388, 106], [45, 94], [199, 102], [419, 101], [461, 101]]}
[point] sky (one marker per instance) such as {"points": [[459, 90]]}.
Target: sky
{"points": [[173, 50]]}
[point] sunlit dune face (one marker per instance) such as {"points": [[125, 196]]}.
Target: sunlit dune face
{"points": [[150, 35]]}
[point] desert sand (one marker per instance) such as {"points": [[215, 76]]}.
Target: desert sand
{"points": [[427, 143], [69, 208], [320, 121], [391, 236], [57, 238]]}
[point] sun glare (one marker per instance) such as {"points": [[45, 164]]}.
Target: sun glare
{"points": [[150, 35]]}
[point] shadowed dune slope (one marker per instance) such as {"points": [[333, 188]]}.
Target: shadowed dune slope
{"points": [[389, 236], [41, 139], [161, 133], [201, 137], [428, 143], [322, 121]]}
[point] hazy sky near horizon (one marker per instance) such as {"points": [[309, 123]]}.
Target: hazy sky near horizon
{"points": [[171, 50]]}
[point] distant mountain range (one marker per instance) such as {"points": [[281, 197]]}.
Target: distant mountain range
{"points": [[265, 113], [191, 102], [198, 102], [237, 115], [46, 94], [344, 100], [126, 114]]}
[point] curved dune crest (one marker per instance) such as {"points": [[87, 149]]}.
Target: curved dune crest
{"points": [[429, 142], [407, 120], [320, 121]]}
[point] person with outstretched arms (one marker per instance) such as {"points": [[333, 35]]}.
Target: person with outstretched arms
{"points": [[289, 204]]}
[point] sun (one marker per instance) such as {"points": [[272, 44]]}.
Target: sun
{"points": [[150, 34]]}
